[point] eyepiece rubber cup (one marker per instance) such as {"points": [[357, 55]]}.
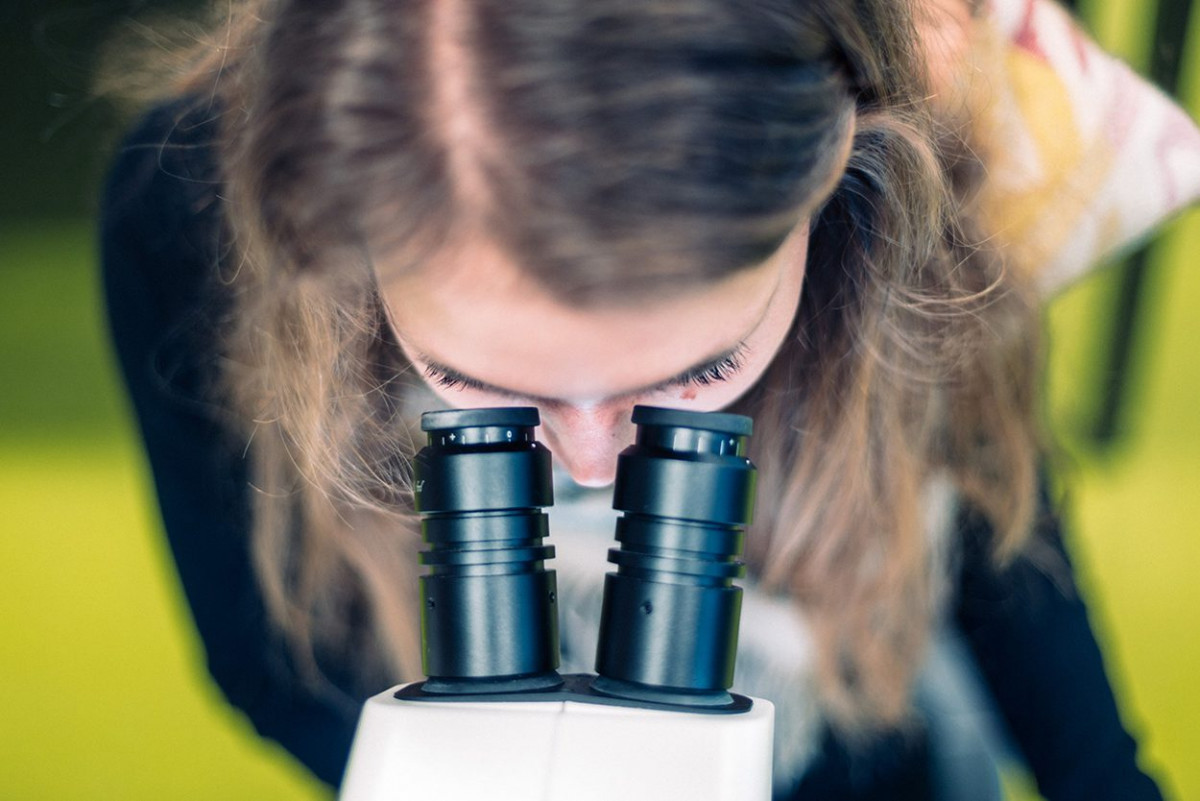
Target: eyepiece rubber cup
{"points": [[516, 416], [720, 422]]}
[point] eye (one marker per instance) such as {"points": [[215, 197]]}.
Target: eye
{"points": [[452, 381], [713, 373]]}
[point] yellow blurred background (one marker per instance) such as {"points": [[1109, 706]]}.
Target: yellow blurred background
{"points": [[103, 690]]}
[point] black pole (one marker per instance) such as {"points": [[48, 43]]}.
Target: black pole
{"points": [[1172, 19]]}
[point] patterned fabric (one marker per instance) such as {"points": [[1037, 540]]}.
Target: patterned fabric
{"points": [[1085, 156]]}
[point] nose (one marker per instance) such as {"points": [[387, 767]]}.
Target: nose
{"points": [[585, 441]]}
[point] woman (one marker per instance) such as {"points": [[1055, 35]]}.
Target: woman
{"points": [[813, 213]]}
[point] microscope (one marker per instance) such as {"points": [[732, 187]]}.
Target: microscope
{"points": [[495, 719]]}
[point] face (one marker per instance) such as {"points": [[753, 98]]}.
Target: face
{"points": [[482, 333]]}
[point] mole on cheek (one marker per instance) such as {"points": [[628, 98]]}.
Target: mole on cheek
{"points": [[688, 394]]}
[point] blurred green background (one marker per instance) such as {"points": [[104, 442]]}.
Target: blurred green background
{"points": [[103, 691]]}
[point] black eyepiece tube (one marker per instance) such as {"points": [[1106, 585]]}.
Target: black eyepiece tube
{"points": [[669, 622], [489, 616]]}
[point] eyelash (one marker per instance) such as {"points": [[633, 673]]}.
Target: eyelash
{"points": [[712, 374], [704, 377], [447, 381]]}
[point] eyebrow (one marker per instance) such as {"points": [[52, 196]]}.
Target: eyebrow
{"points": [[432, 366]]}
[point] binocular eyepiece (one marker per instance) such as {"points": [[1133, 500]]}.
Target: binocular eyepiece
{"points": [[669, 621], [489, 617]]}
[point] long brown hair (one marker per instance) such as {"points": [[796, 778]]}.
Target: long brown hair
{"points": [[624, 144]]}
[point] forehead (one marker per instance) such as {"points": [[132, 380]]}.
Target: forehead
{"points": [[476, 311]]}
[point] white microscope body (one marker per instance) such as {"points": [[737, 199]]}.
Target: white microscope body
{"points": [[557, 751]]}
